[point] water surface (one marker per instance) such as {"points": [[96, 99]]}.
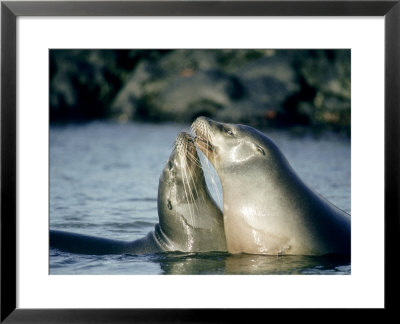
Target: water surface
{"points": [[104, 182]]}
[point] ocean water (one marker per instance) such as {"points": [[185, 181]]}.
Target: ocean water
{"points": [[104, 180]]}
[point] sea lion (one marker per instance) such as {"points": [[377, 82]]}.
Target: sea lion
{"points": [[267, 208], [189, 219]]}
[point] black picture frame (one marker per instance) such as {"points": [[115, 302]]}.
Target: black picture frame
{"points": [[10, 10]]}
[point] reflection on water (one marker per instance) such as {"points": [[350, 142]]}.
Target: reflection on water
{"points": [[219, 263], [104, 181], [215, 263]]}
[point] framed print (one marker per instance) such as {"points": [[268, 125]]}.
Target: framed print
{"points": [[135, 89]]}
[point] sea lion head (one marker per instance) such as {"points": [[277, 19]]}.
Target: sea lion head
{"points": [[236, 147], [189, 218]]}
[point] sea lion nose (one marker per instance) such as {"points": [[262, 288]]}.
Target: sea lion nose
{"points": [[203, 122], [181, 137], [184, 137], [203, 119]]}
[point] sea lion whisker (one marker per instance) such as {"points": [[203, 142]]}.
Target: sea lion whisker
{"points": [[207, 170], [187, 175], [190, 179], [193, 129], [200, 165], [187, 199], [194, 160], [190, 196], [194, 183]]}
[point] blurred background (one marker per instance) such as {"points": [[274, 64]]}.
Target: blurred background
{"points": [[266, 88]]}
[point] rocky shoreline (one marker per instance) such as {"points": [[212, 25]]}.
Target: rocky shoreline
{"points": [[265, 88]]}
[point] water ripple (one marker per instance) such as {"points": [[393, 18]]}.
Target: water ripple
{"points": [[104, 180]]}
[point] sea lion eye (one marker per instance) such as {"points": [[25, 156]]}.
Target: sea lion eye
{"points": [[169, 204], [170, 165], [259, 149], [229, 132]]}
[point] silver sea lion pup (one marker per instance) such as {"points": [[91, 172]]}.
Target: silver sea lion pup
{"points": [[189, 219], [267, 208]]}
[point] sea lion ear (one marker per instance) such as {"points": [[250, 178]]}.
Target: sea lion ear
{"points": [[260, 149]]}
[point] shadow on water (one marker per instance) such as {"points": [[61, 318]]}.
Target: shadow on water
{"points": [[224, 263]]}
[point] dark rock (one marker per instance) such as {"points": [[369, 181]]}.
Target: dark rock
{"points": [[262, 87]]}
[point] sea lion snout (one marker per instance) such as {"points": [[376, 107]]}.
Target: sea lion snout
{"points": [[202, 125]]}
